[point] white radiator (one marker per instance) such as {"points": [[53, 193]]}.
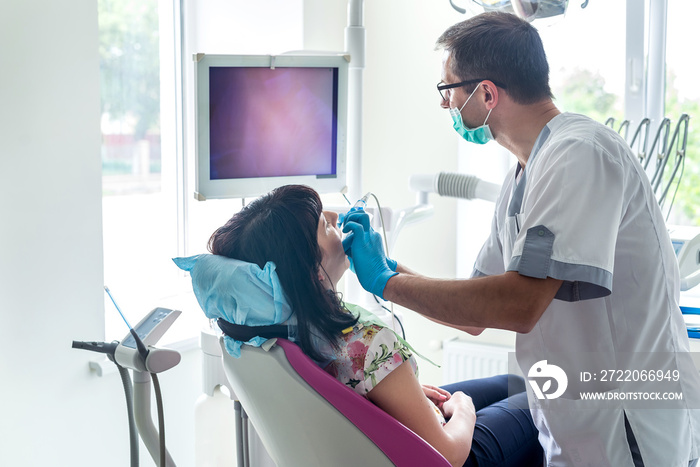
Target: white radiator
{"points": [[464, 360]]}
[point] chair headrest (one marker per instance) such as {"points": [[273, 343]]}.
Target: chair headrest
{"points": [[243, 333], [238, 292]]}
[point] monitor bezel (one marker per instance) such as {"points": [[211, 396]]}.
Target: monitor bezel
{"points": [[205, 188]]}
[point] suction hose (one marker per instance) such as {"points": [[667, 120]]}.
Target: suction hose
{"points": [[455, 185]]}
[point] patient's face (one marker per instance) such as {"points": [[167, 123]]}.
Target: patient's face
{"points": [[334, 261]]}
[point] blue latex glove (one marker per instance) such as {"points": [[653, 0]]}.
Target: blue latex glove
{"points": [[358, 216], [364, 246], [342, 217], [347, 241], [362, 218]]}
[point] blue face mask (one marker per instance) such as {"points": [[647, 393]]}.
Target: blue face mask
{"points": [[480, 135]]}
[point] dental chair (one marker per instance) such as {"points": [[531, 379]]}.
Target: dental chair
{"points": [[305, 417]]}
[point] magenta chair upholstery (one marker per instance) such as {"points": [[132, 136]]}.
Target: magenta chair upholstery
{"points": [[306, 417]]}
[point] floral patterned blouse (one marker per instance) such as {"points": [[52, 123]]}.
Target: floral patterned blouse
{"points": [[367, 354]]}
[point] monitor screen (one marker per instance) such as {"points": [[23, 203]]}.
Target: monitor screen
{"points": [[267, 121]]}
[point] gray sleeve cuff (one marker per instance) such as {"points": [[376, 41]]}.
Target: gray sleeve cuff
{"points": [[581, 282], [477, 273], [537, 252]]}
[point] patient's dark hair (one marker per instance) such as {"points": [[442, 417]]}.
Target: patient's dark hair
{"points": [[282, 227]]}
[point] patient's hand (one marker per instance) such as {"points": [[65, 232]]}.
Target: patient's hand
{"points": [[460, 405], [436, 395]]}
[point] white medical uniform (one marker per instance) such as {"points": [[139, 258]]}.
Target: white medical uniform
{"points": [[582, 210]]}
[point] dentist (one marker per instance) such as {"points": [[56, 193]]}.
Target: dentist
{"points": [[578, 263]]}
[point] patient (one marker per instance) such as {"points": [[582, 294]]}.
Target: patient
{"points": [[470, 423]]}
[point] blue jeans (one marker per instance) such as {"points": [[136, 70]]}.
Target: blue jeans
{"points": [[504, 434]]}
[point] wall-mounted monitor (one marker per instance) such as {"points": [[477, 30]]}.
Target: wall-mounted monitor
{"points": [[263, 121]]}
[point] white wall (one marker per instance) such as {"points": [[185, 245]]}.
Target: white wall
{"points": [[50, 234], [53, 410]]}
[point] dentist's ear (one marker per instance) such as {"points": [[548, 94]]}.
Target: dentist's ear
{"points": [[490, 93]]}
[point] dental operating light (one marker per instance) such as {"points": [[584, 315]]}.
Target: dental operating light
{"points": [[529, 10]]}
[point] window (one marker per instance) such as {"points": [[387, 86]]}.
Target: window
{"points": [[587, 71], [139, 202], [683, 97]]}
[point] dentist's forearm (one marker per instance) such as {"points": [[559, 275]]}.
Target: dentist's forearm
{"points": [[401, 269], [507, 301], [474, 331]]}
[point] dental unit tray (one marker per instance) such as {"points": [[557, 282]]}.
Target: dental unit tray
{"points": [[138, 353], [686, 244], [691, 315], [150, 329]]}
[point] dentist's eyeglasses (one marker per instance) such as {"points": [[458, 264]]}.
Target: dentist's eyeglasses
{"points": [[443, 88]]}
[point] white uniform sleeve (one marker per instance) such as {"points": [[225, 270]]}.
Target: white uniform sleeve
{"points": [[489, 261], [570, 218]]}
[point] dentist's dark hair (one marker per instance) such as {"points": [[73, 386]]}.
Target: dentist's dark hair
{"points": [[500, 47], [282, 227]]}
